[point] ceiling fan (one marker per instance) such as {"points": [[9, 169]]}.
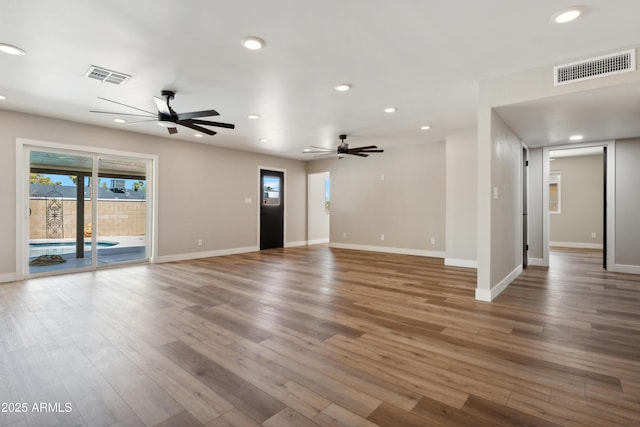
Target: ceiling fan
{"points": [[167, 117], [343, 149]]}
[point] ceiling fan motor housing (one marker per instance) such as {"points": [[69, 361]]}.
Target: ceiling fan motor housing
{"points": [[343, 148], [168, 94]]}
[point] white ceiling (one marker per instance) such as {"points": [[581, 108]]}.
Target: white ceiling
{"points": [[597, 115], [423, 57]]}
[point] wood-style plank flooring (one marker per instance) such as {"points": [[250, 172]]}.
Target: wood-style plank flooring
{"points": [[317, 336]]}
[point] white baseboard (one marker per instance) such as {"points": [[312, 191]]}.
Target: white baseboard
{"points": [[576, 245], [8, 277], [295, 244], [401, 251], [538, 262], [467, 263], [622, 268], [489, 295], [207, 254], [318, 241]]}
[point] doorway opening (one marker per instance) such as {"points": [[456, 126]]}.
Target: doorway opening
{"points": [[577, 201], [318, 208]]}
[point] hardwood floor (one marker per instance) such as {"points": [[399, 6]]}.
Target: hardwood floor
{"points": [[317, 336]]}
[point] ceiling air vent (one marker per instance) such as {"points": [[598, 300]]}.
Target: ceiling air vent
{"points": [[106, 76], [602, 66]]}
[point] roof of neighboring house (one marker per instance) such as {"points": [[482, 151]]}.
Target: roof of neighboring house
{"points": [[69, 192]]}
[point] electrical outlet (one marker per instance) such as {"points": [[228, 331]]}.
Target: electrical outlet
{"points": [[433, 240], [593, 235], [382, 237], [344, 235], [199, 242]]}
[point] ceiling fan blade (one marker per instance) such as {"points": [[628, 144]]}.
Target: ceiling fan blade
{"points": [[189, 124], [323, 148], [368, 147], [365, 150], [162, 105], [128, 106], [122, 114], [208, 123], [196, 114], [358, 154], [140, 121], [317, 151], [172, 131]]}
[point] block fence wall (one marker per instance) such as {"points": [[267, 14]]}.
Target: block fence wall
{"points": [[115, 218]]}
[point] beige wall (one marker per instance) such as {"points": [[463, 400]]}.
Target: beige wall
{"points": [[461, 198], [506, 219], [202, 188], [582, 190], [408, 206]]}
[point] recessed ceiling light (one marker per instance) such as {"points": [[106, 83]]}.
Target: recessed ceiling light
{"points": [[198, 135], [425, 128], [390, 110], [120, 121], [576, 138], [253, 116], [263, 140], [253, 43], [342, 87], [567, 15], [11, 49], [2, 97]]}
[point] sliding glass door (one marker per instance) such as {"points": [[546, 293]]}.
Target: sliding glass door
{"points": [[122, 208], [58, 197], [86, 210]]}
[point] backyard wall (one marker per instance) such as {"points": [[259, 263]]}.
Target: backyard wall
{"points": [[115, 218]]}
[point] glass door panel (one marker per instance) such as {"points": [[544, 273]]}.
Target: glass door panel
{"points": [[121, 210], [59, 198]]}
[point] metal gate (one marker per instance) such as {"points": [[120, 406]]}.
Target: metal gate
{"points": [[55, 215]]}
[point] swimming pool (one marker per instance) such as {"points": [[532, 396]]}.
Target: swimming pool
{"points": [[63, 247]]}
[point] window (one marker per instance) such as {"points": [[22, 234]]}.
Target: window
{"points": [[554, 193], [271, 190]]}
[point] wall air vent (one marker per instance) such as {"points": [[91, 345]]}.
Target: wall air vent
{"points": [[106, 76], [602, 66]]}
